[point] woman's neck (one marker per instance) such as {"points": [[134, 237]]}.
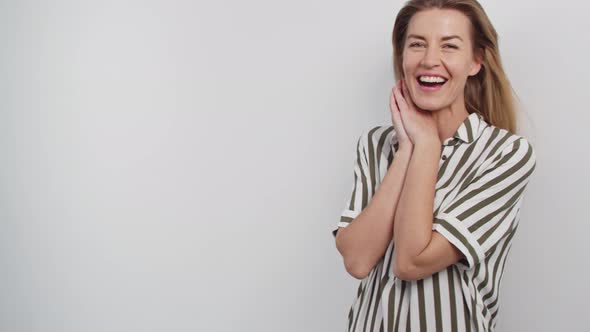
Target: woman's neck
{"points": [[449, 119]]}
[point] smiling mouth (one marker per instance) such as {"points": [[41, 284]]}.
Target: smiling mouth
{"points": [[430, 84]]}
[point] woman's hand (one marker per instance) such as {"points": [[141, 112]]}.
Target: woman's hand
{"points": [[419, 125], [401, 135]]}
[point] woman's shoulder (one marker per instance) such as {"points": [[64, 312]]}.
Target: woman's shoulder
{"points": [[378, 138], [507, 144]]}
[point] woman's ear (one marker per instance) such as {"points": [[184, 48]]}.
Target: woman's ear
{"points": [[477, 62]]}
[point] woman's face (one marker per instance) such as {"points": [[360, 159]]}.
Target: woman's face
{"points": [[438, 58]]}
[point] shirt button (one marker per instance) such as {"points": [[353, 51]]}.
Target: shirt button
{"points": [[444, 157]]}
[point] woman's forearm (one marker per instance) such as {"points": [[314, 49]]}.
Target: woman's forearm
{"points": [[364, 241], [413, 218]]}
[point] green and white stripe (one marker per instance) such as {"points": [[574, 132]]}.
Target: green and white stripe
{"points": [[483, 172]]}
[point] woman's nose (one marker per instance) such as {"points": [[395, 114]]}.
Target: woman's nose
{"points": [[431, 57]]}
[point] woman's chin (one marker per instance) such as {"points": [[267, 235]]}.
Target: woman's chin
{"points": [[426, 106]]}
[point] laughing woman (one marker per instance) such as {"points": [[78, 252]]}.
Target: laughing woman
{"points": [[436, 197]]}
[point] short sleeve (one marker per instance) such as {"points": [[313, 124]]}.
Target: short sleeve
{"points": [[486, 209], [360, 194]]}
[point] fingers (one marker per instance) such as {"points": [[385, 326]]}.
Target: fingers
{"points": [[395, 112], [401, 102], [406, 94], [392, 102]]}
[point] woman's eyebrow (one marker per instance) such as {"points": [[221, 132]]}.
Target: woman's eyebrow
{"points": [[445, 38], [451, 37]]}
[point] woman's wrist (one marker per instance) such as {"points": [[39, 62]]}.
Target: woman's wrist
{"points": [[406, 149]]}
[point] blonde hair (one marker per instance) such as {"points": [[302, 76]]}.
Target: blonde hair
{"points": [[488, 93]]}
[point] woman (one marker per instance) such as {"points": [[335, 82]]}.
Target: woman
{"points": [[436, 197]]}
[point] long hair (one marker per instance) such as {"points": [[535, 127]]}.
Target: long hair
{"points": [[488, 93]]}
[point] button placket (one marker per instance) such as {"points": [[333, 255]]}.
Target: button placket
{"points": [[447, 150]]}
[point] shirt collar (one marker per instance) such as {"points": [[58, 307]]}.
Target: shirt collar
{"points": [[469, 130]]}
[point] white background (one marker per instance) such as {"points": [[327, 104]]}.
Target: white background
{"points": [[179, 165]]}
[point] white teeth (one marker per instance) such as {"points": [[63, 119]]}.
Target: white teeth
{"points": [[432, 79]]}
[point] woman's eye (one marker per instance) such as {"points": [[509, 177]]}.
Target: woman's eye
{"points": [[451, 46], [415, 44]]}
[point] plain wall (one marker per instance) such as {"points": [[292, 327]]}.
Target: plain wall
{"points": [[179, 165]]}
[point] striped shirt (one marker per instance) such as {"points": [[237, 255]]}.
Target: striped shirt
{"points": [[483, 171]]}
